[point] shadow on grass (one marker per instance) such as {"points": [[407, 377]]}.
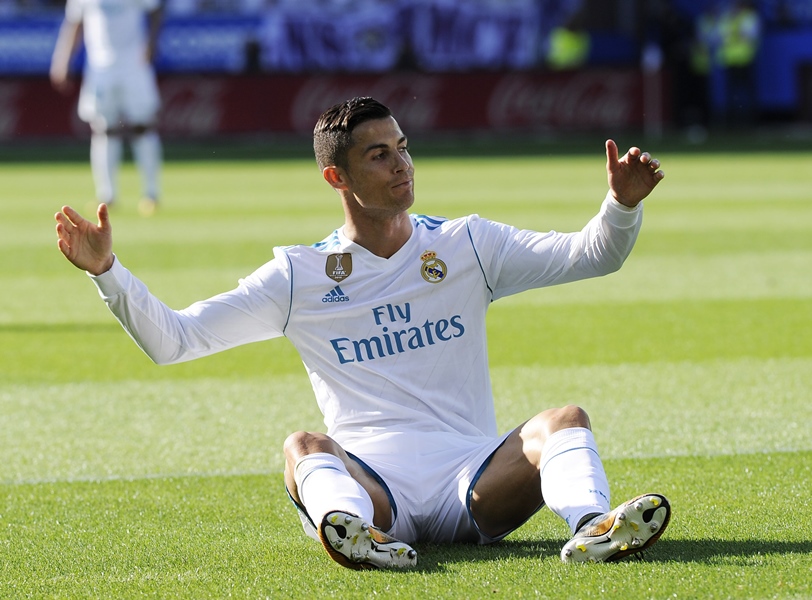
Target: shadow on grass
{"points": [[704, 551], [434, 557]]}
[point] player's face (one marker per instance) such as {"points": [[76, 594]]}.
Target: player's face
{"points": [[380, 173]]}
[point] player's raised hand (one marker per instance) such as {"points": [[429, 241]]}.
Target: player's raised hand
{"points": [[61, 81], [632, 177], [88, 245]]}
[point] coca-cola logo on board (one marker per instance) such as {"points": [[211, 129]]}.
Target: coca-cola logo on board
{"points": [[193, 106], [577, 101]]}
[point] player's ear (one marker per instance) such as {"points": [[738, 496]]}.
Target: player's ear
{"points": [[335, 176]]}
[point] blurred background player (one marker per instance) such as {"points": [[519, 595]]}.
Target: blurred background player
{"points": [[119, 95]]}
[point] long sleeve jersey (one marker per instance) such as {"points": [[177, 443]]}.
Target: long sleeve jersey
{"points": [[389, 344]]}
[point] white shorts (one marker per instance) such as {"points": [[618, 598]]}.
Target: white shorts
{"points": [[124, 94], [429, 477]]}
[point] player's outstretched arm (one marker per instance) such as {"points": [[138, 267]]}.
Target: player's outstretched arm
{"points": [[632, 177], [66, 43], [89, 246]]}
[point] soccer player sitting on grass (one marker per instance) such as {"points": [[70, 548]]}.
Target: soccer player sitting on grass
{"points": [[388, 315]]}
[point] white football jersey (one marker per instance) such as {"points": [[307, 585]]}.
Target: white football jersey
{"points": [[389, 344], [114, 30]]}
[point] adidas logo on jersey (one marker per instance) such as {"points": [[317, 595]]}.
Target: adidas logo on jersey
{"points": [[335, 295]]}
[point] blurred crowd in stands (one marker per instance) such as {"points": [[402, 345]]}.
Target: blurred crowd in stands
{"points": [[709, 48], [780, 12]]}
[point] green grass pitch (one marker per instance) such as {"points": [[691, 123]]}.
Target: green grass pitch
{"points": [[121, 479]]}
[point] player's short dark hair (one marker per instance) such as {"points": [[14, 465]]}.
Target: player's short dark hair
{"points": [[332, 136]]}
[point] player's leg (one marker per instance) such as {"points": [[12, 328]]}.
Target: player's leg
{"points": [[97, 107], [553, 458], [141, 112], [348, 506], [511, 488], [147, 152], [105, 160]]}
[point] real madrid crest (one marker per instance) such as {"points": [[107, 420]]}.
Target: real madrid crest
{"points": [[433, 269], [339, 266]]}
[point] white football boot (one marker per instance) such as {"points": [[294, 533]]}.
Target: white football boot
{"points": [[631, 527], [355, 544]]}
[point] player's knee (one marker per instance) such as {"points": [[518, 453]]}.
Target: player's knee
{"points": [[295, 442], [302, 443], [569, 416], [548, 422]]}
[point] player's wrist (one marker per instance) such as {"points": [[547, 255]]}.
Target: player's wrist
{"points": [[103, 267], [622, 201]]}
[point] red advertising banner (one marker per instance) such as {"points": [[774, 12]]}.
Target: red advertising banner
{"points": [[209, 106]]}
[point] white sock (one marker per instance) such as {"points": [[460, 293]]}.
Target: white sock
{"points": [[147, 153], [105, 158], [325, 485], [573, 481]]}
